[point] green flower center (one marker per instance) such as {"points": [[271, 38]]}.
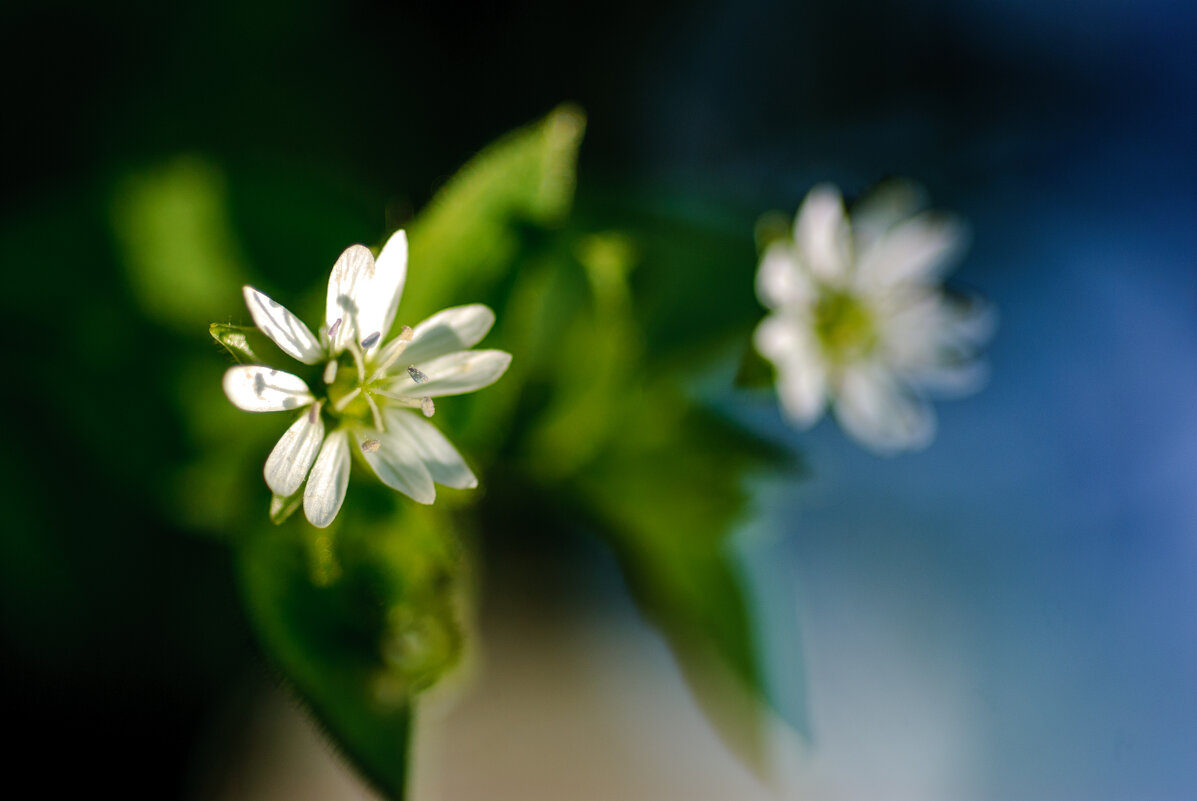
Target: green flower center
{"points": [[345, 395], [844, 326]]}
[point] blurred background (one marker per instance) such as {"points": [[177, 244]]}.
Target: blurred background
{"points": [[1010, 614]]}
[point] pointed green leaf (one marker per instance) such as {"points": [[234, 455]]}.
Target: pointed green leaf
{"points": [[468, 234], [670, 493]]}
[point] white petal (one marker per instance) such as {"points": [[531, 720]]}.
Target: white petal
{"points": [[823, 236], [919, 250], [444, 463], [780, 282], [386, 288], [397, 463], [801, 372], [325, 490], [287, 466], [775, 336], [951, 380], [459, 328], [287, 330], [255, 388], [876, 409], [455, 373], [881, 209], [932, 341], [348, 284]]}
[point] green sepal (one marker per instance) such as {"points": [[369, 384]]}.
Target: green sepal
{"points": [[281, 508], [235, 339]]}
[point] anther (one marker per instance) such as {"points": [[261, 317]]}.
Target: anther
{"points": [[371, 340], [416, 375], [427, 406], [330, 371], [313, 413], [370, 445], [332, 329], [405, 333]]}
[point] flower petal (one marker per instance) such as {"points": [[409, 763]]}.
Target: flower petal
{"points": [[801, 372], [444, 463], [455, 373], [397, 463], [459, 328], [287, 330], [325, 490], [881, 209], [386, 287], [932, 340], [919, 250], [287, 466], [780, 282], [881, 413], [348, 285], [823, 236], [255, 388]]}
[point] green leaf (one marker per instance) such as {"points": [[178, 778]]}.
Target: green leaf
{"points": [[468, 234], [176, 242], [670, 491], [359, 622], [663, 478]]}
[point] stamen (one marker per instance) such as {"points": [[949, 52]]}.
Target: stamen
{"points": [[371, 340], [402, 400], [345, 401], [330, 371], [427, 406], [374, 411], [332, 329], [410, 401], [416, 375], [353, 348], [391, 352], [370, 445]]}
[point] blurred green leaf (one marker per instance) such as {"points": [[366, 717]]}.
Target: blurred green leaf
{"points": [[358, 622], [670, 491], [468, 233], [663, 478], [179, 253]]}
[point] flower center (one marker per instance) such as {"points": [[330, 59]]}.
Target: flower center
{"points": [[345, 393], [844, 326]]}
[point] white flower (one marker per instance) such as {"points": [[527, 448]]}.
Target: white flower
{"points": [[368, 389], [859, 321]]}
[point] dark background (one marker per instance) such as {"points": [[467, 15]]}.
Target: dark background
{"points": [[1055, 513]]}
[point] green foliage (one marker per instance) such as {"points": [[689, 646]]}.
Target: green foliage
{"points": [[469, 233], [358, 621], [659, 475], [182, 259], [612, 311]]}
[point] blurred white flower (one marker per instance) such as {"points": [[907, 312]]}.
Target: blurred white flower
{"points": [[858, 319], [369, 388]]}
